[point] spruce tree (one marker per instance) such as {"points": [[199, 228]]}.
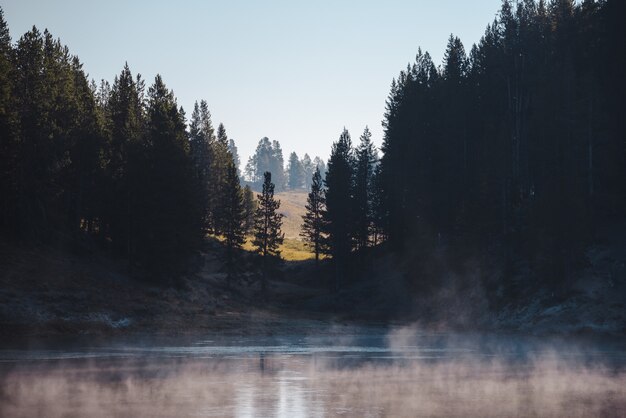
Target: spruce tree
{"points": [[313, 219]]}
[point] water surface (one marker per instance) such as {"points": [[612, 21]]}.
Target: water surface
{"points": [[365, 373]]}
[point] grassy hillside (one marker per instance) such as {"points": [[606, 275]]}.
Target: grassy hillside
{"points": [[292, 207]]}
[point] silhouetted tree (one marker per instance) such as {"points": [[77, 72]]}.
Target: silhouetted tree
{"points": [[219, 168], [202, 143], [365, 162], [9, 139], [250, 206], [503, 146], [170, 225], [232, 148], [339, 203], [319, 163], [267, 221], [313, 219], [125, 124], [233, 214]]}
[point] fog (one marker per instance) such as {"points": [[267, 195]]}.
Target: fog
{"points": [[401, 373]]}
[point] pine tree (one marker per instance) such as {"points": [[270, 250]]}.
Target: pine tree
{"points": [[366, 160], [295, 172], [339, 203], [232, 148], [379, 207], [219, 167], [250, 206], [170, 226], [308, 169], [321, 165], [125, 119], [201, 142], [260, 162], [313, 219], [277, 167], [8, 135], [233, 214], [222, 138], [267, 221], [268, 156]]}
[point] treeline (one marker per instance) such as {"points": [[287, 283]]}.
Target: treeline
{"points": [[518, 144], [268, 157], [115, 162], [343, 209]]}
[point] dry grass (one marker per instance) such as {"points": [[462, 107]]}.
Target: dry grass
{"points": [[291, 250], [292, 207]]}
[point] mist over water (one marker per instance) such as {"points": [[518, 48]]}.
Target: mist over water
{"points": [[369, 374]]}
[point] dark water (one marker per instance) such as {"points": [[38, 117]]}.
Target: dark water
{"points": [[365, 373]]}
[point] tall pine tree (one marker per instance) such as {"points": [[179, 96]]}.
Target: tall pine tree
{"points": [[313, 219], [366, 160], [267, 221], [339, 203], [233, 214]]}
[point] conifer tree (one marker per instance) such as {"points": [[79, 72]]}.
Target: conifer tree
{"points": [[201, 142], [295, 172], [308, 169], [319, 163], [363, 174], [125, 119], [339, 203], [219, 166], [313, 219], [8, 134], [267, 221], [379, 207], [233, 214], [268, 156], [169, 228], [232, 148], [249, 205]]}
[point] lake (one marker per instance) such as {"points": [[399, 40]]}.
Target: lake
{"points": [[364, 372]]}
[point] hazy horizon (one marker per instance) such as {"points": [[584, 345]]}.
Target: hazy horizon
{"points": [[296, 73]]}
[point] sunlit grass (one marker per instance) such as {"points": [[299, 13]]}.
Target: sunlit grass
{"points": [[291, 250]]}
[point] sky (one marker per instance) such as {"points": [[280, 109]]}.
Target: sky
{"points": [[294, 71]]}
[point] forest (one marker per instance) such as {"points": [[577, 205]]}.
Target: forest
{"points": [[512, 150]]}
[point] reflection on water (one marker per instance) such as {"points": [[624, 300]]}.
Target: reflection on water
{"points": [[372, 375]]}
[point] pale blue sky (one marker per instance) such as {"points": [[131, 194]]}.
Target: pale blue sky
{"points": [[296, 72]]}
